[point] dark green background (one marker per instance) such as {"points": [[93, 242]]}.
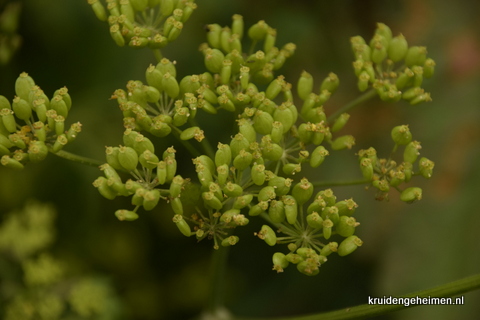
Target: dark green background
{"points": [[160, 274]]}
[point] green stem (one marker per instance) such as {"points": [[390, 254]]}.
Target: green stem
{"points": [[339, 183], [158, 54], [364, 97], [219, 267], [366, 311], [79, 159]]}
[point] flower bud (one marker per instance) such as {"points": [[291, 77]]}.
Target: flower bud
{"points": [[318, 156], [416, 56], [18, 140], [242, 201], [329, 248], [291, 209], [277, 131], [222, 174], [230, 241], [177, 206], [258, 31], [170, 85], [268, 235], [23, 85], [291, 168], [193, 132], [37, 151], [247, 130], [349, 245], [397, 49], [404, 79], [182, 225], [327, 226], [426, 167], [363, 81], [11, 163], [139, 5], [279, 262], [340, 122], [238, 143], [59, 143], [98, 9], [381, 185], [305, 85], [302, 191], [237, 25], [58, 104], [258, 208], [232, 190], [284, 115], [211, 200], [428, 68], [258, 174], [150, 199], [126, 215], [105, 190], [330, 83], [343, 142], [214, 60], [411, 194], [276, 211], [213, 35], [411, 152], [346, 207], [314, 220], [128, 158], [267, 193], [263, 122], [401, 135], [5, 142], [346, 226], [22, 109]]}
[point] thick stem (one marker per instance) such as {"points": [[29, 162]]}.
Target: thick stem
{"points": [[76, 158], [158, 54], [218, 269], [366, 311], [364, 97], [339, 183]]}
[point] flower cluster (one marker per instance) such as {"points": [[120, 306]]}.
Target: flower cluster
{"points": [[386, 173], [33, 125], [392, 68], [144, 23]]}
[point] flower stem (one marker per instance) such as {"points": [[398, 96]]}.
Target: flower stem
{"points": [[76, 158], [158, 54], [366, 311], [218, 270], [339, 183], [364, 97]]}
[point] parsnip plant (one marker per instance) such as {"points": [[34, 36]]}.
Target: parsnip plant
{"points": [[285, 126]]}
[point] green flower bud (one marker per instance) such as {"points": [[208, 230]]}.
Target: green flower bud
{"points": [[396, 178], [213, 35], [327, 195], [150, 199], [413, 93], [349, 245], [327, 226], [22, 109], [59, 143], [343, 142], [411, 152], [237, 25], [243, 160], [401, 135], [128, 158], [379, 52], [182, 225], [242, 201], [425, 97], [302, 191], [308, 268], [397, 49], [291, 209], [267, 193], [428, 68], [177, 206], [105, 190], [193, 132], [214, 60], [171, 167], [238, 143], [416, 56], [181, 116], [98, 9], [8, 120], [225, 39], [279, 262], [176, 186], [346, 226], [258, 31], [18, 140], [274, 88], [363, 81], [170, 85], [37, 151], [232, 190], [270, 39], [293, 258], [59, 125], [138, 197], [340, 122], [291, 168], [411, 194], [23, 85], [314, 220], [162, 172], [4, 151], [276, 211], [58, 104], [281, 185], [305, 85], [426, 167], [117, 35], [405, 79], [230, 241], [222, 174], [277, 131], [258, 174], [160, 129], [211, 200], [132, 186], [113, 8], [154, 77], [330, 83], [284, 115], [262, 122], [417, 76], [329, 248], [139, 5], [13, 163], [381, 185], [346, 207], [331, 213], [126, 215], [65, 96], [112, 157], [5, 142], [268, 235], [318, 156], [258, 208]]}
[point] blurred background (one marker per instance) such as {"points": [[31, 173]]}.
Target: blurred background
{"points": [[152, 271]]}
